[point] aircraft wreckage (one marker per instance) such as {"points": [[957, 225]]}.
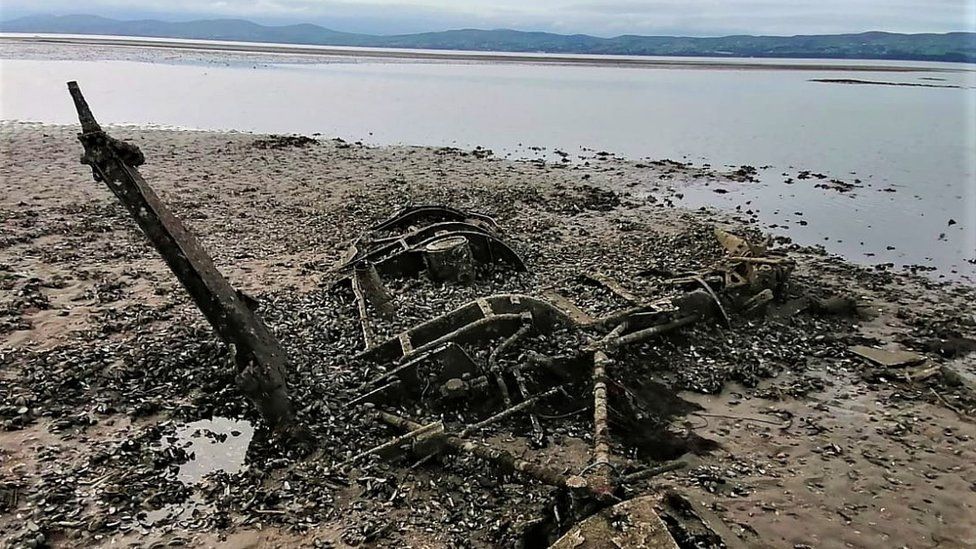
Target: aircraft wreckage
{"points": [[458, 359]]}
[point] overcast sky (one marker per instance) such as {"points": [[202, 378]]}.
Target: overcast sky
{"points": [[685, 17]]}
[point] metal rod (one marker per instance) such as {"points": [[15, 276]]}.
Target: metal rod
{"points": [[762, 260], [711, 292], [531, 401], [379, 391], [601, 423], [502, 459], [601, 429], [523, 390], [653, 471], [464, 330], [647, 333], [372, 289], [516, 373], [496, 369], [368, 337], [396, 442]]}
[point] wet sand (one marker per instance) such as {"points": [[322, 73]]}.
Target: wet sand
{"points": [[471, 56], [102, 355]]}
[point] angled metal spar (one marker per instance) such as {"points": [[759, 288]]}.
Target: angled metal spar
{"points": [[261, 360]]}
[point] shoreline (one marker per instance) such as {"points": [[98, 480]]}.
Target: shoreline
{"points": [[732, 63], [625, 177], [633, 180]]}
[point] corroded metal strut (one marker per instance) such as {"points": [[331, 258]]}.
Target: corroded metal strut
{"points": [[261, 360]]}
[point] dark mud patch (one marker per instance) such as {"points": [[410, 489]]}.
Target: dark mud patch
{"points": [[284, 142], [644, 423], [881, 83]]}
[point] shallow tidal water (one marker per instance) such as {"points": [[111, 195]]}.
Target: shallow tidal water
{"points": [[217, 444], [912, 148]]}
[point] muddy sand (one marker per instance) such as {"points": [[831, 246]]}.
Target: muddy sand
{"points": [[109, 375]]}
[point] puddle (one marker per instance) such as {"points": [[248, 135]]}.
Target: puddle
{"points": [[218, 444], [878, 222], [174, 512]]}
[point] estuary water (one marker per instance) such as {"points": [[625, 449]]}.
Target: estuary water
{"points": [[905, 132]]}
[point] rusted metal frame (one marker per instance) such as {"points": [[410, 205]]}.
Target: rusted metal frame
{"points": [[725, 272], [495, 368], [523, 390], [459, 387], [487, 242], [545, 317], [404, 370], [406, 382], [502, 458], [405, 344], [602, 479], [261, 360], [523, 386], [471, 322], [497, 371], [757, 301], [407, 372], [601, 430], [474, 327], [612, 320], [412, 215], [710, 275], [409, 261], [380, 248], [357, 290], [484, 306], [564, 304]]}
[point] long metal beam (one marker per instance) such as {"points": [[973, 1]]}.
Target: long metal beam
{"points": [[261, 360]]}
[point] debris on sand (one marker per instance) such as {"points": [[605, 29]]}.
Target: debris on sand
{"points": [[880, 83], [887, 359], [632, 523]]}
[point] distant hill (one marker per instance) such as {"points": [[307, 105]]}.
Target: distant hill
{"points": [[953, 46]]}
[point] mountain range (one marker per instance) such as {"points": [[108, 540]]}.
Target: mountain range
{"points": [[952, 47]]}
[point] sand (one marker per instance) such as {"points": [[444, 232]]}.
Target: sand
{"points": [[862, 462]]}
